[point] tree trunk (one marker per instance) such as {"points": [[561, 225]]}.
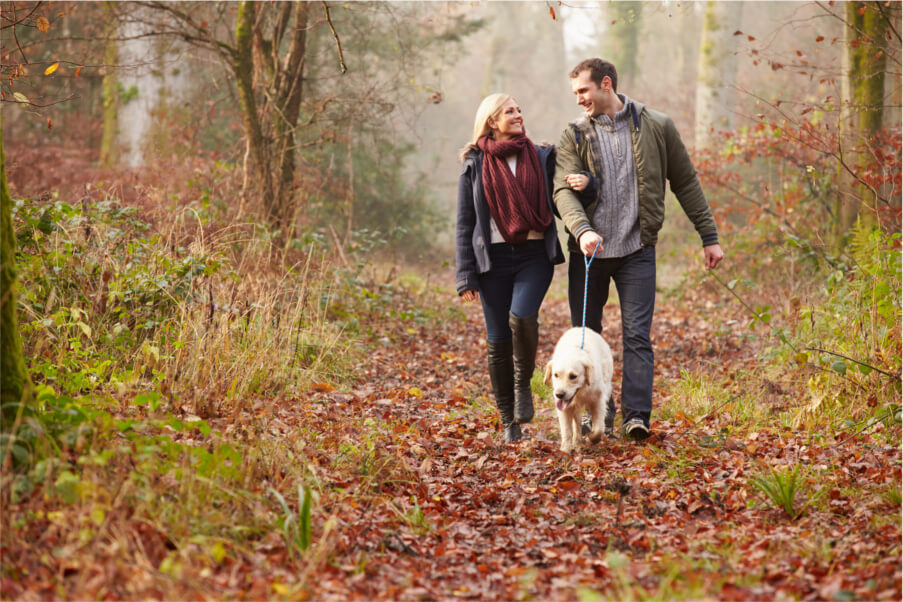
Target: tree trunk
{"points": [[15, 385], [620, 45], [715, 95], [289, 87], [862, 110], [490, 84], [110, 93], [243, 67], [270, 125]]}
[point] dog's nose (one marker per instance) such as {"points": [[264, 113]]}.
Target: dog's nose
{"points": [[560, 394]]}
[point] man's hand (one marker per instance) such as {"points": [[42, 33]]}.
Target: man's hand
{"points": [[713, 256], [588, 241], [470, 295]]}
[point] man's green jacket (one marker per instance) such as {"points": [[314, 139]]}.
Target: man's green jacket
{"points": [[659, 154]]}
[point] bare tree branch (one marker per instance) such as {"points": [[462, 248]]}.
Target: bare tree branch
{"points": [[16, 38], [200, 36], [825, 147], [855, 361], [15, 21], [40, 106], [889, 21], [338, 42], [891, 56]]}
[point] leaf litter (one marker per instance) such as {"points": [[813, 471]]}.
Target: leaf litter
{"points": [[419, 498]]}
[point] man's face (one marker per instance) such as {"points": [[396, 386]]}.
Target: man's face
{"points": [[590, 96]]}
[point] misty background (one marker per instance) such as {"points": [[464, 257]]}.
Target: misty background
{"points": [[378, 144]]}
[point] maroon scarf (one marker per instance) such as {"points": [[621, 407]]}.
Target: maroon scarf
{"points": [[516, 203]]}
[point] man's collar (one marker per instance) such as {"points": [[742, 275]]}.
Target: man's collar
{"points": [[603, 119]]}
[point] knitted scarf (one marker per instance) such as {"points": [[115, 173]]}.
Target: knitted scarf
{"points": [[516, 203]]}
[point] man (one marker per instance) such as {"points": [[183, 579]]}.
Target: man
{"points": [[629, 151]]}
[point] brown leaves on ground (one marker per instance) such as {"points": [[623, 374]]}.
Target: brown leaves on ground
{"points": [[419, 498]]}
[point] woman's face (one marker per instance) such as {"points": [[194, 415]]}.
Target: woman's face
{"points": [[508, 123]]}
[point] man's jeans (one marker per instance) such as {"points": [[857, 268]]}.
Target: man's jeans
{"points": [[634, 278]]}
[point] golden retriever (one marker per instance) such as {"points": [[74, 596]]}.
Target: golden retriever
{"points": [[580, 380]]}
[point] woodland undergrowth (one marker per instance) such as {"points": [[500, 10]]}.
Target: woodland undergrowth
{"points": [[150, 342], [214, 405]]}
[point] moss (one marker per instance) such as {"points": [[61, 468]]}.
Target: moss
{"points": [[867, 64], [110, 94], [14, 386]]}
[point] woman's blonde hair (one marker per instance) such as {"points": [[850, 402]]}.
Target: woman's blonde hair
{"points": [[488, 109]]}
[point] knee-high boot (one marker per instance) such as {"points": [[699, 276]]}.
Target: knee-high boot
{"points": [[501, 375], [526, 339]]}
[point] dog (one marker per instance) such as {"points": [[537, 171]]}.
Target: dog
{"points": [[580, 380]]}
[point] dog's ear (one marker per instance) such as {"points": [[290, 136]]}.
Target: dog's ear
{"points": [[547, 374], [586, 370]]}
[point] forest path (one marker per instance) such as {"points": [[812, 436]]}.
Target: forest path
{"points": [[433, 504]]}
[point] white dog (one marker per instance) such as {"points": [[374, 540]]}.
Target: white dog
{"points": [[580, 380]]}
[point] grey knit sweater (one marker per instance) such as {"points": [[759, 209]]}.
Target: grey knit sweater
{"points": [[616, 218]]}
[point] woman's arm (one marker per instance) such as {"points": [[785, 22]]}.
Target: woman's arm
{"points": [[465, 260]]}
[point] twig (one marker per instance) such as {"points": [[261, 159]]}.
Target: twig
{"points": [[16, 38], [338, 42], [888, 20], [37, 106], [713, 410], [338, 246], [620, 486], [738, 297], [16, 20], [405, 548], [867, 425], [709, 413], [855, 361], [788, 343]]}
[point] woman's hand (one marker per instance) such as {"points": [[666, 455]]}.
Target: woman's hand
{"points": [[470, 295], [577, 181]]}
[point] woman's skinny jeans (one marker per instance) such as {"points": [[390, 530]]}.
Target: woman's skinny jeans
{"points": [[517, 283]]}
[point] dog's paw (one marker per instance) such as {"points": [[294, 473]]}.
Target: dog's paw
{"points": [[595, 436]]}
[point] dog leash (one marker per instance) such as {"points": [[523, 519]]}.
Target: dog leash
{"points": [[587, 263]]}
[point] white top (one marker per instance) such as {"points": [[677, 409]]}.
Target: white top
{"points": [[495, 235]]}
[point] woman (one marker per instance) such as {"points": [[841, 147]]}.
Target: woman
{"points": [[507, 245]]}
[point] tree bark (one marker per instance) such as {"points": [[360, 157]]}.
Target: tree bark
{"points": [[110, 92], [270, 125], [15, 385], [288, 93], [620, 45], [243, 68], [862, 110], [715, 95]]}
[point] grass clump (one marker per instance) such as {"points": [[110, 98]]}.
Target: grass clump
{"points": [[781, 487], [113, 305]]}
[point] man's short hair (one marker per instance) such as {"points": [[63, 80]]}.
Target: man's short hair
{"points": [[598, 69]]}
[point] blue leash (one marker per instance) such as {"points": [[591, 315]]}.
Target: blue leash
{"points": [[587, 263]]}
